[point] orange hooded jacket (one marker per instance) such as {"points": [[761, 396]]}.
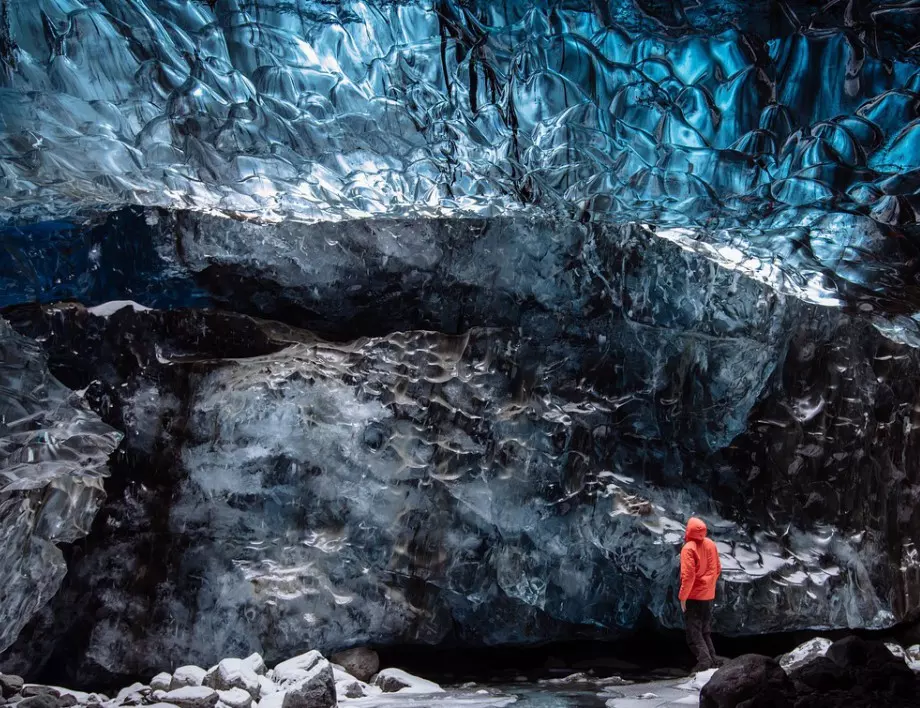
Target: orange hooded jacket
{"points": [[700, 567]]}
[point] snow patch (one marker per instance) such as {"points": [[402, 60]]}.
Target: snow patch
{"points": [[107, 309]]}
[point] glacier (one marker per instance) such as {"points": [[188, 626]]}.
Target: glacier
{"points": [[407, 321], [754, 133], [489, 485], [54, 456]]}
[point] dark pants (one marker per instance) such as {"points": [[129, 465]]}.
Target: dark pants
{"points": [[698, 620]]}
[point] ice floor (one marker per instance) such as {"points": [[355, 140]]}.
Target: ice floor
{"points": [[659, 694]]}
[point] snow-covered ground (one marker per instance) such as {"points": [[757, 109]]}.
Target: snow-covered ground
{"points": [[311, 680]]}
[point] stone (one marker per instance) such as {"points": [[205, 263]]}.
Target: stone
{"points": [[360, 662], [296, 667], [821, 674], [316, 689], [256, 663], [233, 673], [350, 688], [235, 698], [873, 667], [132, 695], [187, 676], [397, 680], [804, 653], [347, 686], [44, 700], [751, 681], [267, 687], [193, 697], [31, 689], [10, 685], [897, 651], [161, 682]]}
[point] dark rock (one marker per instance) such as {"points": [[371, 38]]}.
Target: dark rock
{"points": [[315, 690], [10, 685], [360, 662], [751, 681], [855, 673], [873, 667], [821, 674], [349, 689], [35, 690], [393, 680], [48, 700]]}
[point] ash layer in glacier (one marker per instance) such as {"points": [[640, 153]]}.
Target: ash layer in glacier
{"points": [[53, 457], [505, 485], [782, 140]]}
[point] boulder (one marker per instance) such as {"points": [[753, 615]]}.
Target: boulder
{"points": [[360, 662], [749, 681], [235, 698], [295, 668], [347, 686], [350, 688], [316, 689], [187, 676], [233, 673], [256, 663], [193, 697], [44, 700], [873, 667], [267, 687], [161, 682], [30, 690], [132, 695], [393, 680], [804, 653], [820, 674], [897, 651], [10, 685]]}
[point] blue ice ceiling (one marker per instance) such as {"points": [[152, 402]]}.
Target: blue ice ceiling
{"points": [[779, 139]]}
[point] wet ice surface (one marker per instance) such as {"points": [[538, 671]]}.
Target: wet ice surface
{"points": [[782, 145], [658, 694], [53, 458], [408, 487]]}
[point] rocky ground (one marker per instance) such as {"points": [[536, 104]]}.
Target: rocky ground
{"points": [[818, 674]]}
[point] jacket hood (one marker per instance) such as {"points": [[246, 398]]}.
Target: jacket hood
{"points": [[696, 530]]}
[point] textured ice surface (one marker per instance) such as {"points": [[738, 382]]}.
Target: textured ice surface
{"points": [[501, 485], [782, 141], [53, 457]]}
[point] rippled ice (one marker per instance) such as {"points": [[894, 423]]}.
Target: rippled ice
{"points": [[784, 145]]}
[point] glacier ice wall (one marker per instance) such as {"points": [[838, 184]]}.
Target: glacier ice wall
{"points": [[505, 484], [781, 139], [53, 458]]}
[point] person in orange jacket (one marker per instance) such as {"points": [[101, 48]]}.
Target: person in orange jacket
{"points": [[700, 569]]}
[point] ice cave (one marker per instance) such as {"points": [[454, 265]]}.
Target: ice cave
{"points": [[375, 353]]}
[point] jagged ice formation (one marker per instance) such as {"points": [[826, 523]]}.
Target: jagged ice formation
{"points": [[777, 138]]}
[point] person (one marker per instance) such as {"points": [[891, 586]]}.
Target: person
{"points": [[700, 569]]}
